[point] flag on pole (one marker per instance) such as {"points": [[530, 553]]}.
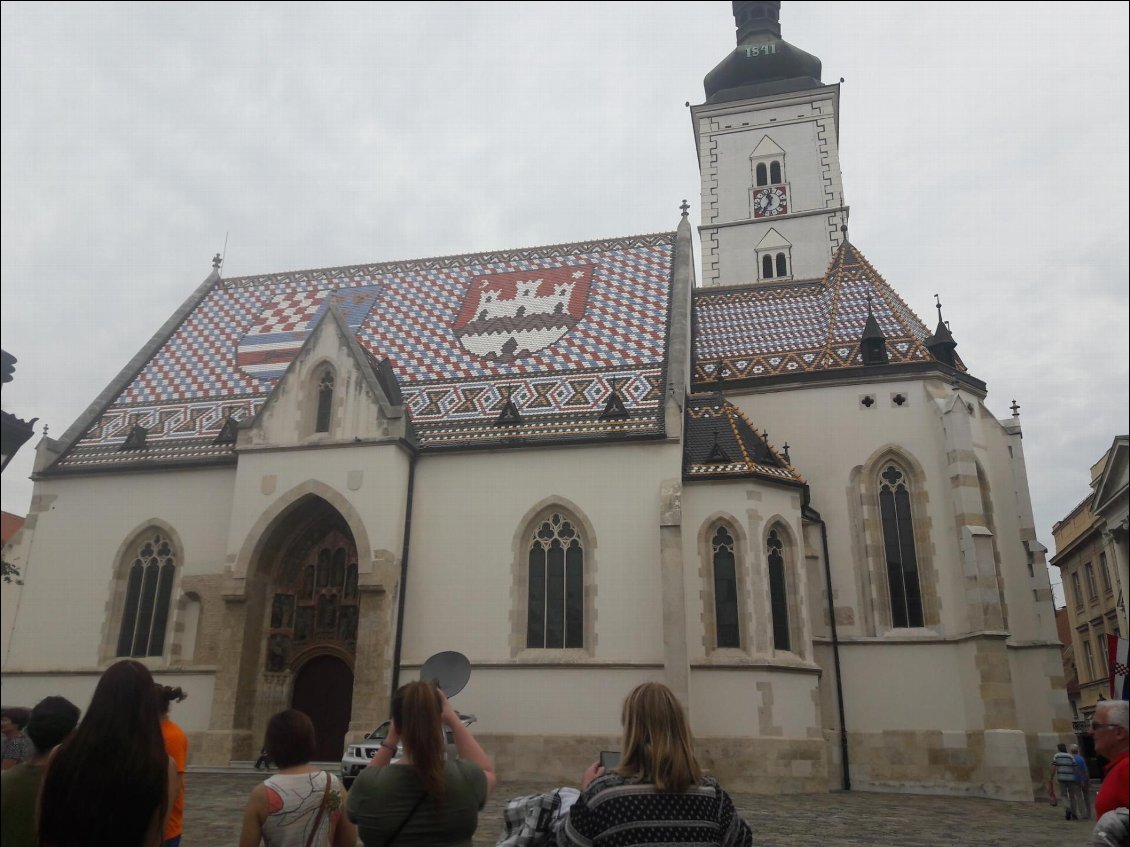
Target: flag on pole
{"points": [[1116, 655]]}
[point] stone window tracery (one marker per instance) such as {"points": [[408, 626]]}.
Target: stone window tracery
{"points": [[726, 617], [555, 606], [899, 550], [325, 401], [778, 591], [149, 588]]}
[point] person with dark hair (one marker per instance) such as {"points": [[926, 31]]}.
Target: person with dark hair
{"points": [[301, 805], [52, 720], [658, 793], [176, 745], [108, 783], [424, 798], [17, 747]]}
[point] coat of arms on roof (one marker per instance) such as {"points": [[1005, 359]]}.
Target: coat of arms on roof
{"points": [[508, 316], [280, 329]]}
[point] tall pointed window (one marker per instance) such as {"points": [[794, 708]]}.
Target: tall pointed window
{"points": [[775, 173], [725, 589], [556, 585], [898, 546], [762, 174], [149, 588], [325, 401], [778, 592]]}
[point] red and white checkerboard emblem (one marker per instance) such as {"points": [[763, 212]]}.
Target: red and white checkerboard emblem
{"points": [[508, 316], [278, 332]]}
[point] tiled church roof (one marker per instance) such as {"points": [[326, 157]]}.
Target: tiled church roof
{"points": [[721, 443], [750, 333], [555, 330]]}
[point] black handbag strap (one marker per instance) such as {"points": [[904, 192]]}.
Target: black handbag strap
{"points": [[407, 818]]}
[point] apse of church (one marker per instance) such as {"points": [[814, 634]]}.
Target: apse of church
{"points": [[778, 491]]}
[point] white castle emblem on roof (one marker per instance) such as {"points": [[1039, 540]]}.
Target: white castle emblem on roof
{"points": [[506, 316]]}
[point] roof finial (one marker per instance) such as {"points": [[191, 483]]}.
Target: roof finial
{"points": [[869, 310], [938, 306], [785, 448], [843, 229], [217, 260], [1015, 408], [685, 207], [45, 429]]}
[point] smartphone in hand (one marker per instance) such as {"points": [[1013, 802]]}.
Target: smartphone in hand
{"points": [[609, 759]]}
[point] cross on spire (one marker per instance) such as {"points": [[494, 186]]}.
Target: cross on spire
{"points": [[1015, 408], [685, 207]]}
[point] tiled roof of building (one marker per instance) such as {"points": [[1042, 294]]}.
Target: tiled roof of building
{"points": [[555, 330], [721, 443], [748, 333]]}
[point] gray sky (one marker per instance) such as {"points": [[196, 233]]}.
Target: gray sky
{"points": [[983, 146]]}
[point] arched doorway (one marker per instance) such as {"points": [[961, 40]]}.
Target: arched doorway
{"points": [[323, 689]]}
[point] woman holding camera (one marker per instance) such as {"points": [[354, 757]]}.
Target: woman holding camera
{"points": [[658, 794], [423, 798]]}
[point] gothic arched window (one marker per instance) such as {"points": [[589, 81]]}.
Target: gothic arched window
{"points": [[725, 589], [766, 266], [782, 265], [778, 591], [556, 585], [762, 174], [898, 546], [149, 588], [775, 173], [325, 401]]}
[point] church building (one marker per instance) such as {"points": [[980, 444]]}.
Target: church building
{"points": [[762, 480]]}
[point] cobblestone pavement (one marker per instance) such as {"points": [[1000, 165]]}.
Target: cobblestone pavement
{"points": [[214, 812]]}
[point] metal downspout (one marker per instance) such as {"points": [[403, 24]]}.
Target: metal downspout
{"points": [[811, 514], [403, 574]]}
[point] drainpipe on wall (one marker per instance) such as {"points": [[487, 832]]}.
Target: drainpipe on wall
{"points": [[403, 574], [811, 514]]}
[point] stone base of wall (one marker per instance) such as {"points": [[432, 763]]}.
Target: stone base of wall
{"points": [[994, 763], [757, 765], [218, 748]]}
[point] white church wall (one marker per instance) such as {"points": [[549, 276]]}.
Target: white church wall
{"points": [[471, 520], [755, 703], [365, 482], [82, 526]]}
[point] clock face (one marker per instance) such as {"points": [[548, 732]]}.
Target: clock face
{"points": [[770, 201]]}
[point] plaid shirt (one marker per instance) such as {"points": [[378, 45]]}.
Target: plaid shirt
{"points": [[529, 821]]}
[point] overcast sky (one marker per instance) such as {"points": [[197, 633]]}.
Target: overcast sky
{"points": [[983, 147]]}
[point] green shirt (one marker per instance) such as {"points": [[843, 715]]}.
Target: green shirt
{"points": [[18, 789], [381, 799]]}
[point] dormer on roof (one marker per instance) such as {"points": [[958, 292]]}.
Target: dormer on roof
{"points": [[873, 343]]}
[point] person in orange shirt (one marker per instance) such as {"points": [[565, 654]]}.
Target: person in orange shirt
{"points": [[176, 745]]}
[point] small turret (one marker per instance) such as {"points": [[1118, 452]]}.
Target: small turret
{"points": [[941, 344]]}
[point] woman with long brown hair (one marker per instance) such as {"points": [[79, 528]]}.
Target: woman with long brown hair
{"points": [[424, 798], [108, 782], [658, 794]]}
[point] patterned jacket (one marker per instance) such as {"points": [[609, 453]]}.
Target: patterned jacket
{"points": [[613, 812]]}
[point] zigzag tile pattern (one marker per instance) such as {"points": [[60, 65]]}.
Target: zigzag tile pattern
{"points": [[803, 327], [227, 355]]}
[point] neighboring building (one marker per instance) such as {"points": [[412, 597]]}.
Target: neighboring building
{"points": [[1091, 557], [1070, 671], [14, 432], [558, 461]]}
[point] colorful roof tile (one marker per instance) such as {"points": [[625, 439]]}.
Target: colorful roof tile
{"points": [[721, 443], [555, 330], [802, 328]]}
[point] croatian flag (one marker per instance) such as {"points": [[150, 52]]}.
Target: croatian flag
{"points": [[1116, 654]]}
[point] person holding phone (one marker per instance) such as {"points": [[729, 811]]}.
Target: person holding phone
{"points": [[658, 793]]}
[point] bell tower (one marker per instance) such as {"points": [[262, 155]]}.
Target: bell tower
{"points": [[768, 149]]}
